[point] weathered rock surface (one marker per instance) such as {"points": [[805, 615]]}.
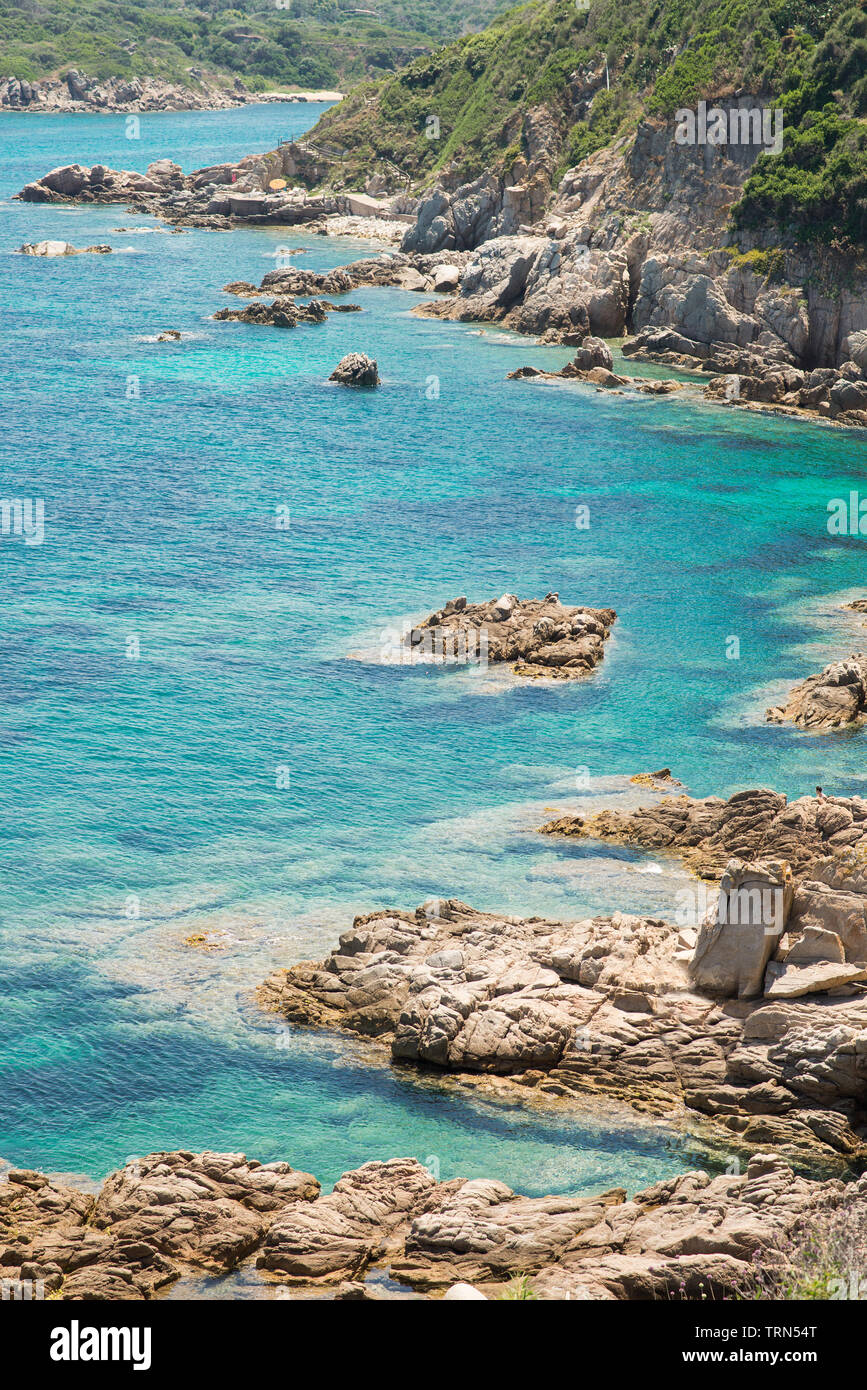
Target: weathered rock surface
{"points": [[834, 698], [155, 1219], [541, 637], [341, 1234], [356, 369], [602, 1006], [692, 1236], [738, 939]]}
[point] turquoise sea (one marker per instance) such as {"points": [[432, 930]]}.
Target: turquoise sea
{"points": [[168, 650]]}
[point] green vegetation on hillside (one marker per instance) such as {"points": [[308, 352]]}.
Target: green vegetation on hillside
{"points": [[268, 43], [661, 55], [819, 182]]}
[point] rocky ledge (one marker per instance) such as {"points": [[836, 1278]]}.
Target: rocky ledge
{"points": [[823, 838], [834, 698], [174, 1215], [539, 637], [637, 1009], [387, 270], [764, 380], [219, 196]]}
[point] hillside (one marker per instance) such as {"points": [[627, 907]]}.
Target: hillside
{"points": [[306, 43], [807, 57]]}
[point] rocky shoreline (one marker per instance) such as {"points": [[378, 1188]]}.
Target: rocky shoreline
{"points": [[76, 92], [180, 1215], [748, 1008], [697, 310]]}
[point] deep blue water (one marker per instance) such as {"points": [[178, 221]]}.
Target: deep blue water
{"points": [[139, 802]]}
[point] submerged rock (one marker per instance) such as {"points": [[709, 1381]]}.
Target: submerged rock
{"points": [[356, 369]]}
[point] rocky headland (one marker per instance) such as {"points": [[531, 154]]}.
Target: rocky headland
{"points": [[219, 196], [538, 637], [578, 272], [173, 1216]]}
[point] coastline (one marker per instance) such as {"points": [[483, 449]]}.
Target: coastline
{"points": [[504, 1086]]}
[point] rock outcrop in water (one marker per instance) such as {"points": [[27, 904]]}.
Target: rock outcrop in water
{"points": [[539, 637], [832, 699], [611, 1007], [356, 369], [219, 196], [284, 313], [197, 1215], [61, 248]]}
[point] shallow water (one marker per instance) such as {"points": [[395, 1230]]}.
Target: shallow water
{"points": [[140, 802]]}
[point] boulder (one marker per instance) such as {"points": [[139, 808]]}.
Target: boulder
{"points": [[68, 179], [593, 352], [356, 369], [447, 279], [736, 942], [856, 350]]}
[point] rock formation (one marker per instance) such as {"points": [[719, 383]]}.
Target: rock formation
{"points": [[356, 369], [540, 637], [203, 1214], [157, 1218], [834, 698], [284, 312], [607, 1007], [815, 835]]}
